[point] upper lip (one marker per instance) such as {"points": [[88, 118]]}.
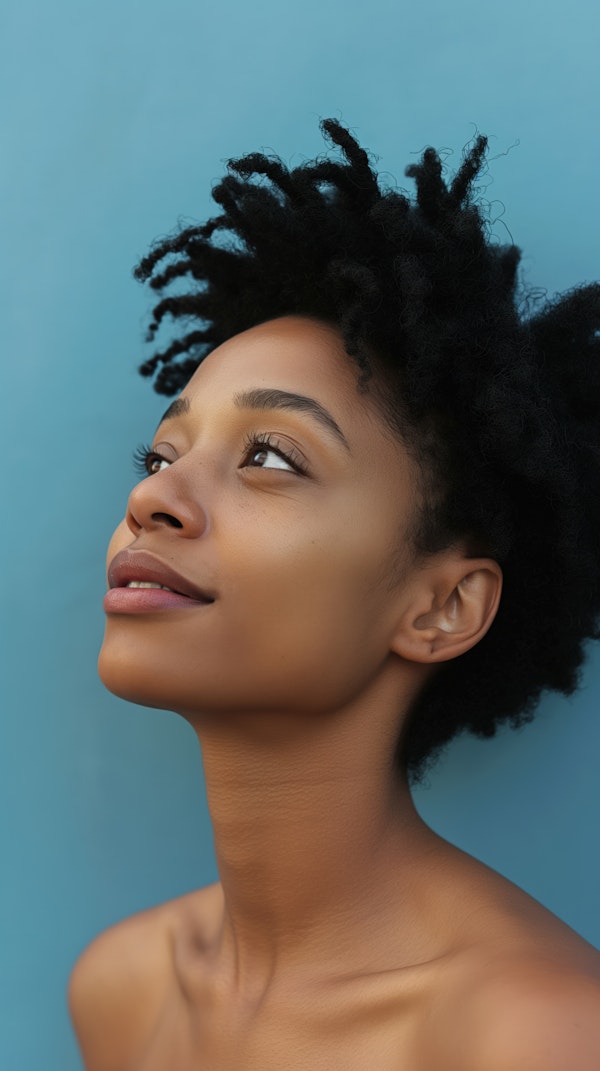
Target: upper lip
{"points": [[142, 565]]}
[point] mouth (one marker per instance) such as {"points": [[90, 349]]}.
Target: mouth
{"points": [[140, 582]]}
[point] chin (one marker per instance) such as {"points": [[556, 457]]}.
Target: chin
{"points": [[135, 673], [127, 669], [127, 681]]}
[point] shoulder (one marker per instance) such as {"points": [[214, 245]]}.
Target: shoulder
{"points": [[539, 1017], [116, 989], [120, 983], [524, 992]]}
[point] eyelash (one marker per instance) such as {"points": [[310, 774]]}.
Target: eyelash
{"points": [[267, 441], [144, 456]]}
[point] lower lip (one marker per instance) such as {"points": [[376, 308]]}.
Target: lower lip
{"points": [[147, 601]]}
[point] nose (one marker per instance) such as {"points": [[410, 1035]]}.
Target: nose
{"points": [[165, 500]]}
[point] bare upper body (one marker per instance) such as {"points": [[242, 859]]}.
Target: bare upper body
{"points": [[515, 989]]}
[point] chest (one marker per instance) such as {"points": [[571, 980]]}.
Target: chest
{"points": [[294, 1039]]}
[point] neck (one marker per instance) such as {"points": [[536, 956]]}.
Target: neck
{"points": [[316, 835]]}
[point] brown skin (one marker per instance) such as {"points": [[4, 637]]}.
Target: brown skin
{"points": [[343, 933]]}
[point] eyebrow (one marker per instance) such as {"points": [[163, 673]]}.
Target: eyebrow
{"points": [[270, 398], [176, 408], [262, 398]]}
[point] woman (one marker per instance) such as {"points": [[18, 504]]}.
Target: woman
{"points": [[368, 521]]}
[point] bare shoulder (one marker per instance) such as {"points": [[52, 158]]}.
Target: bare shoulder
{"points": [[121, 981], [523, 991], [539, 1016]]}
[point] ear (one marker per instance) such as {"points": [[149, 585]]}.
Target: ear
{"points": [[451, 604]]}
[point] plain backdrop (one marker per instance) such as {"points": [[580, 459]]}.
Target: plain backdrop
{"points": [[117, 117]]}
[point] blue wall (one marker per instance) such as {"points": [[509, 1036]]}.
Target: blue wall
{"points": [[119, 115]]}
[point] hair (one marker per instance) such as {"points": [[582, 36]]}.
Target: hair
{"points": [[497, 397]]}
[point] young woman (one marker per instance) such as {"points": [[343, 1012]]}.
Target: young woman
{"points": [[368, 521]]}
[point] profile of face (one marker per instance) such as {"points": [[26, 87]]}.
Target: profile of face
{"points": [[280, 504]]}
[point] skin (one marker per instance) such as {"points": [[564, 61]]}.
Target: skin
{"points": [[343, 932]]}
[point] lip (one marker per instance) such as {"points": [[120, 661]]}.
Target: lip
{"points": [[142, 565]]}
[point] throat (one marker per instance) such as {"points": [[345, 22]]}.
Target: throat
{"points": [[306, 854]]}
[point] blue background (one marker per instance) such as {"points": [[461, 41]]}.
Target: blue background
{"points": [[118, 117]]}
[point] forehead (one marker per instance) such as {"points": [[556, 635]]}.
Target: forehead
{"points": [[294, 354]]}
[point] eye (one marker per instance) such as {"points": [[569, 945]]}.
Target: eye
{"points": [[146, 461], [266, 451]]}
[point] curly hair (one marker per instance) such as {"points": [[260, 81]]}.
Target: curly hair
{"points": [[499, 404]]}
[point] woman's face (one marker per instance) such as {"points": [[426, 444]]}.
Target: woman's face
{"points": [[287, 521]]}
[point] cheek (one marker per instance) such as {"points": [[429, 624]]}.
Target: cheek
{"points": [[305, 605]]}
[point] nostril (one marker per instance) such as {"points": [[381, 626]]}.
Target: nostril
{"points": [[167, 518]]}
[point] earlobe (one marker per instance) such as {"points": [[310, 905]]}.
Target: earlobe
{"points": [[454, 604]]}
